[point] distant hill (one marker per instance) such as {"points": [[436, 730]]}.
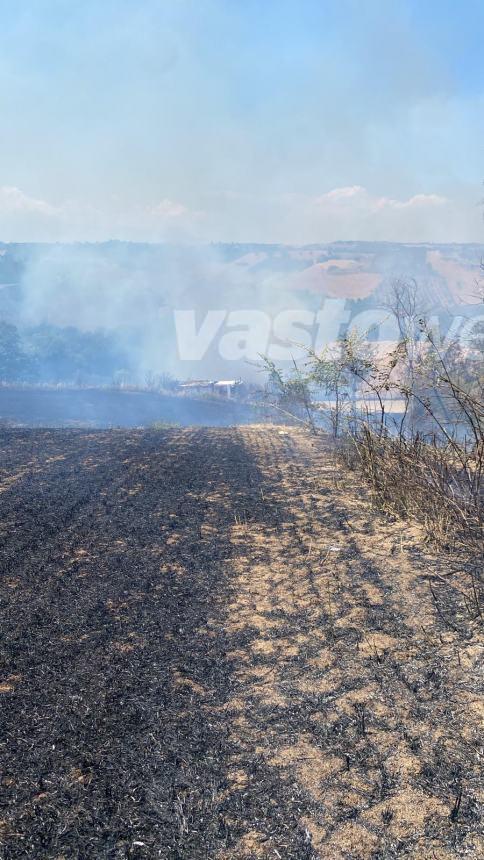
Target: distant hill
{"points": [[446, 273], [132, 291]]}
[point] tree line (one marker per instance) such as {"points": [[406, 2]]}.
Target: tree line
{"points": [[48, 354]]}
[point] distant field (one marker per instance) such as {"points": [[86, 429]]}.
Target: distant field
{"points": [[104, 408], [213, 647]]}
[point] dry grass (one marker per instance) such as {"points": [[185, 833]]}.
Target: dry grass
{"points": [[422, 481]]}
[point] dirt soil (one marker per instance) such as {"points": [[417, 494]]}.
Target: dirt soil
{"points": [[213, 647]]}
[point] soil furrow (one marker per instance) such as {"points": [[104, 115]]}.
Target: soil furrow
{"points": [[213, 647]]}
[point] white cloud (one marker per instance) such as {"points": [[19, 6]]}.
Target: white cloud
{"points": [[356, 196], [348, 192], [416, 201], [14, 200], [24, 218], [355, 212], [168, 209], [342, 213]]}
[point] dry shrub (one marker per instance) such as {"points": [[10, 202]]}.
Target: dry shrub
{"points": [[421, 480]]}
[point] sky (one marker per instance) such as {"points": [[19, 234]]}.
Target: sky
{"points": [[295, 121]]}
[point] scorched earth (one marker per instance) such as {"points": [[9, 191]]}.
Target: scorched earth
{"points": [[213, 647]]}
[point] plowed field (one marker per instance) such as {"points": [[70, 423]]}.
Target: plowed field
{"points": [[213, 647]]}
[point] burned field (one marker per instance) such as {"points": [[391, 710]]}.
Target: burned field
{"points": [[213, 647]]}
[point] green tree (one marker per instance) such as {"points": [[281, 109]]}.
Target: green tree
{"points": [[13, 361]]}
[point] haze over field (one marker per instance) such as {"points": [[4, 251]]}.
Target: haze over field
{"points": [[211, 180], [211, 310]]}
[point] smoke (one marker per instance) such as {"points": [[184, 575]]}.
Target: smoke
{"points": [[196, 311], [134, 292]]}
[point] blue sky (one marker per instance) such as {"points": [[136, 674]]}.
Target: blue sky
{"points": [[277, 120]]}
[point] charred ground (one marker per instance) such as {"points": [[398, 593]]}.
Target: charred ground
{"points": [[212, 647]]}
